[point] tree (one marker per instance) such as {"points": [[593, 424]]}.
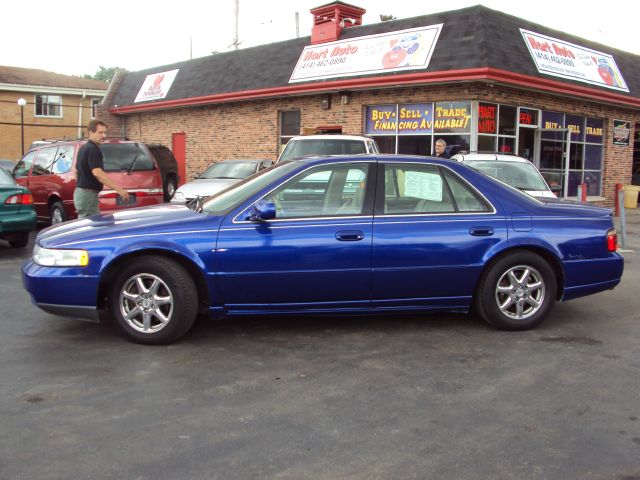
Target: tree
{"points": [[385, 18], [104, 74]]}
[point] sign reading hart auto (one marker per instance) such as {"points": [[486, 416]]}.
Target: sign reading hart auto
{"points": [[156, 86], [387, 52], [561, 59]]}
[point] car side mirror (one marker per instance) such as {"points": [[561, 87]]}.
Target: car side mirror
{"points": [[262, 210], [555, 188]]}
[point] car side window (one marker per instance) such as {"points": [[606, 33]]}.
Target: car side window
{"points": [[323, 191], [416, 188], [44, 161], [64, 159], [466, 199], [23, 166]]}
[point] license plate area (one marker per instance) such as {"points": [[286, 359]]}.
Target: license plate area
{"points": [[122, 202]]}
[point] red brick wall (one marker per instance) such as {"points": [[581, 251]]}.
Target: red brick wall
{"points": [[251, 130]]}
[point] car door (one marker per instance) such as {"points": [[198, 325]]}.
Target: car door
{"points": [[42, 181], [316, 253], [432, 232]]}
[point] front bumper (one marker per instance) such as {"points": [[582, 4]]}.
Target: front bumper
{"points": [[68, 292]]}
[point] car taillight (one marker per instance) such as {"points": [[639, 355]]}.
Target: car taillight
{"points": [[19, 199], [612, 240]]}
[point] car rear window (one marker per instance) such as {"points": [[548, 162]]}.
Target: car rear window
{"points": [[305, 148], [5, 178], [125, 156]]}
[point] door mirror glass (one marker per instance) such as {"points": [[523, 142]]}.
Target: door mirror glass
{"points": [[262, 210]]}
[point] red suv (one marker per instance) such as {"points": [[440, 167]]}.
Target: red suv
{"points": [[49, 171]]}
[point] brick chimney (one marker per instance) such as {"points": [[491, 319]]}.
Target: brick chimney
{"points": [[330, 19]]}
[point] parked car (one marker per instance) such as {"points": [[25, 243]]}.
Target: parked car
{"points": [[17, 216], [515, 171], [310, 145], [168, 168], [49, 172], [218, 177], [7, 165], [416, 234]]}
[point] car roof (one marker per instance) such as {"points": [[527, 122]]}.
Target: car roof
{"points": [[246, 160], [330, 137], [473, 156]]}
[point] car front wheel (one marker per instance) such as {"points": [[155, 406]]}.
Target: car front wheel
{"points": [[153, 300], [57, 213], [516, 292], [169, 188]]}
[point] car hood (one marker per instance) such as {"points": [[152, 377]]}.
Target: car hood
{"points": [[135, 221], [206, 186]]}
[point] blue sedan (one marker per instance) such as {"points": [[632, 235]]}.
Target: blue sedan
{"points": [[341, 235]]}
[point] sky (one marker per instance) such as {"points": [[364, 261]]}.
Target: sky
{"points": [[77, 37]]}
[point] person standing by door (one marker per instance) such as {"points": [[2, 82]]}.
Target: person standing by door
{"points": [[90, 174], [441, 149]]}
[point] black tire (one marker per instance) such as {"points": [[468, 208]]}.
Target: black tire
{"points": [[57, 213], [520, 301], [170, 186], [19, 240], [170, 312]]}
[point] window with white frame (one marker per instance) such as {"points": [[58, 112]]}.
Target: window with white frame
{"points": [[94, 105], [48, 106]]}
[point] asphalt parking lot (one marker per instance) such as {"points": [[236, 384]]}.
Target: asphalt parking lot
{"points": [[390, 397]]}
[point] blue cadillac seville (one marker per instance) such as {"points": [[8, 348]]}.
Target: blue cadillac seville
{"points": [[350, 234]]}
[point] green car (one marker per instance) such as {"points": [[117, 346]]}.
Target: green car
{"points": [[17, 215]]}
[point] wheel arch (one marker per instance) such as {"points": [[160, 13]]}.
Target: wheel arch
{"points": [[112, 269], [545, 253]]}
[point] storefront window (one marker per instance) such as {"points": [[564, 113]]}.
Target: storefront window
{"points": [[507, 120], [403, 128], [486, 143], [506, 144], [586, 151]]}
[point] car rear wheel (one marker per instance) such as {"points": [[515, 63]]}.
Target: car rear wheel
{"points": [[170, 186], [19, 240], [57, 213], [153, 300], [516, 292]]}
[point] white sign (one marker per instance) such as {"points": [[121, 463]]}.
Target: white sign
{"points": [[156, 86], [387, 52], [427, 186], [561, 59]]}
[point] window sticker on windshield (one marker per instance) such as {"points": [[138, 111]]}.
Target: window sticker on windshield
{"points": [[426, 186]]}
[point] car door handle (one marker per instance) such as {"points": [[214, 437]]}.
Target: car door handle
{"points": [[481, 231], [350, 235]]}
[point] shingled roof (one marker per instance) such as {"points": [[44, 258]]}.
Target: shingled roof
{"points": [[471, 38], [42, 78]]}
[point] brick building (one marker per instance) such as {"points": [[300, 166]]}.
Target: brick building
{"points": [[56, 107], [477, 78]]}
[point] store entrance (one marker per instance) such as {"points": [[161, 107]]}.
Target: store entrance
{"points": [[527, 143]]}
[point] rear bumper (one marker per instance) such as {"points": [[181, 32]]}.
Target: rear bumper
{"points": [[593, 276], [18, 223]]}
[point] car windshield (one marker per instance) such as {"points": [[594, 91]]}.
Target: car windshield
{"points": [[306, 148], [6, 178], [229, 170], [125, 156], [232, 196], [521, 175]]}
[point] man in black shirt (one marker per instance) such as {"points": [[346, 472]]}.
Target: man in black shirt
{"points": [[441, 148], [90, 173]]}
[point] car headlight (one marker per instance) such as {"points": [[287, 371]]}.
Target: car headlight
{"points": [[51, 257], [178, 195]]}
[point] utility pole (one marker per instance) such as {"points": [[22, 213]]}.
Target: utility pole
{"points": [[235, 34]]}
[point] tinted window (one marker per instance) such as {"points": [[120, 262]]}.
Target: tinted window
{"points": [[412, 188], [230, 170], [305, 148], [125, 156], [5, 178], [323, 191], [164, 157], [64, 159], [44, 161], [467, 200], [24, 165], [523, 176]]}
